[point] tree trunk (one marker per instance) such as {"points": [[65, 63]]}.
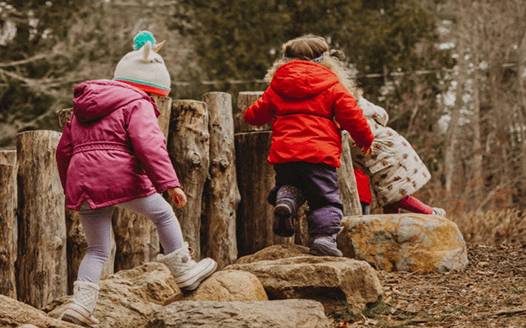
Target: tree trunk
{"points": [[8, 157], [77, 243], [453, 132], [164, 104], [8, 249], [221, 193], [347, 180], [189, 149], [62, 117], [244, 100], [255, 178], [42, 260]]}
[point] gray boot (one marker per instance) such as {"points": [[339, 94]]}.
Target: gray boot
{"points": [[187, 273], [80, 309], [325, 246]]}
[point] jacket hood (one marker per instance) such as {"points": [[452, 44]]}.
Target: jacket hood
{"points": [[300, 79], [95, 99], [372, 111]]}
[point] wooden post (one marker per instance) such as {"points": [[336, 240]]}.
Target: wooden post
{"points": [[255, 216], [42, 261], [244, 100], [189, 149], [77, 243], [347, 180], [8, 249], [221, 194], [164, 104], [8, 157]]}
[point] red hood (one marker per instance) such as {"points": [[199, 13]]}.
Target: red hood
{"points": [[95, 99], [301, 79]]}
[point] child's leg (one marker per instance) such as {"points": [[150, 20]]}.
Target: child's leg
{"points": [[414, 205], [322, 194], [97, 226], [325, 208], [187, 273], [157, 209]]}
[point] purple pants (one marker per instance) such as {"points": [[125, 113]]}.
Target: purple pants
{"points": [[97, 225], [319, 185]]}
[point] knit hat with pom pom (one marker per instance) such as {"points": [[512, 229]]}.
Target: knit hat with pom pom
{"points": [[143, 68]]}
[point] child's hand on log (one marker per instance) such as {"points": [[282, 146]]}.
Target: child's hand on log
{"points": [[178, 196]]}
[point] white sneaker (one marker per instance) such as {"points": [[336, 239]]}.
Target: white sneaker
{"points": [[82, 305], [187, 273], [80, 316], [439, 212]]}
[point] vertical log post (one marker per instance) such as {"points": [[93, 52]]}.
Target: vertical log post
{"points": [[255, 216], [77, 244], [8, 204], [189, 149], [347, 180], [221, 194], [42, 261], [8, 157]]}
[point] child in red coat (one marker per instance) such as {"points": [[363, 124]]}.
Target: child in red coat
{"points": [[308, 101], [364, 190]]}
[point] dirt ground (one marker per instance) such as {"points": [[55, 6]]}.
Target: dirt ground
{"points": [[490, 292]]}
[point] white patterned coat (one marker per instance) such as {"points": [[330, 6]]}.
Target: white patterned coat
{"points": [[394, 167]]}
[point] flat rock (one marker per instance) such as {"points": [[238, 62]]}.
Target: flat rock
{"points": [[266, 314], [334, 282]]}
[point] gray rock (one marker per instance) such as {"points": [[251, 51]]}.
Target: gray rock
{"points": [[266, 314]]}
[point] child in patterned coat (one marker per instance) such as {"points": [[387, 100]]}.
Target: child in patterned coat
{"points": [[395, 169]]}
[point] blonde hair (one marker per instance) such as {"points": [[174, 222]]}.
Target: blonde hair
{"points": [[309, 47]]}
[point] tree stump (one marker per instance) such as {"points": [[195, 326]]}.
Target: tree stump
{"points": [[62, 117], [347, 180], [189, 149], [8, 157], [8, 249], [221, 195], [77, 244], [42, 261], [244, 100], [255, 216], [164, 104]]}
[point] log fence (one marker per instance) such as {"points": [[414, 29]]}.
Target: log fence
{"points": [[221, 163]]}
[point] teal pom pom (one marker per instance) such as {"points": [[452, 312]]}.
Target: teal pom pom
{"points": [[141, 38]]}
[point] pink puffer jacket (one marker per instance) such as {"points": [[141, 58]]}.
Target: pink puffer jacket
{"points": [[112, 150]]}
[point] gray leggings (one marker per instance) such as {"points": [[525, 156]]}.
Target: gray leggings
{"points": [[97, 225]]}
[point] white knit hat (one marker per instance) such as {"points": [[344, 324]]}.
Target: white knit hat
{"points": [[143, 68]]}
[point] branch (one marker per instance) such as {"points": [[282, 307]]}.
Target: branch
{"points": [[22, 62]]}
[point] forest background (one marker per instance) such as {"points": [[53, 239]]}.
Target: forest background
{"points": [[450, 73]]}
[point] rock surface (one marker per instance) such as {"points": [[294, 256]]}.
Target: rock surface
{"points": [[269, 314], [404, 242], [331, 281], [227, 286]]}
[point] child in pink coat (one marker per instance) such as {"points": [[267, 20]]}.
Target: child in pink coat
{"points": [[113, 154]]}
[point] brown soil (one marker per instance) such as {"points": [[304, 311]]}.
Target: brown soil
{"points": [[490, 292]]}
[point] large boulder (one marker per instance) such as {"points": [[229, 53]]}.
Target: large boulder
{"points": [[269, 314], [129, 297], [404, 242], [228, 286], [14, 313], [331, 281]]}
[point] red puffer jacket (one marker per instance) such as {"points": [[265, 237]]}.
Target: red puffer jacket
{"points": [[307, 105], [112, 150]]}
